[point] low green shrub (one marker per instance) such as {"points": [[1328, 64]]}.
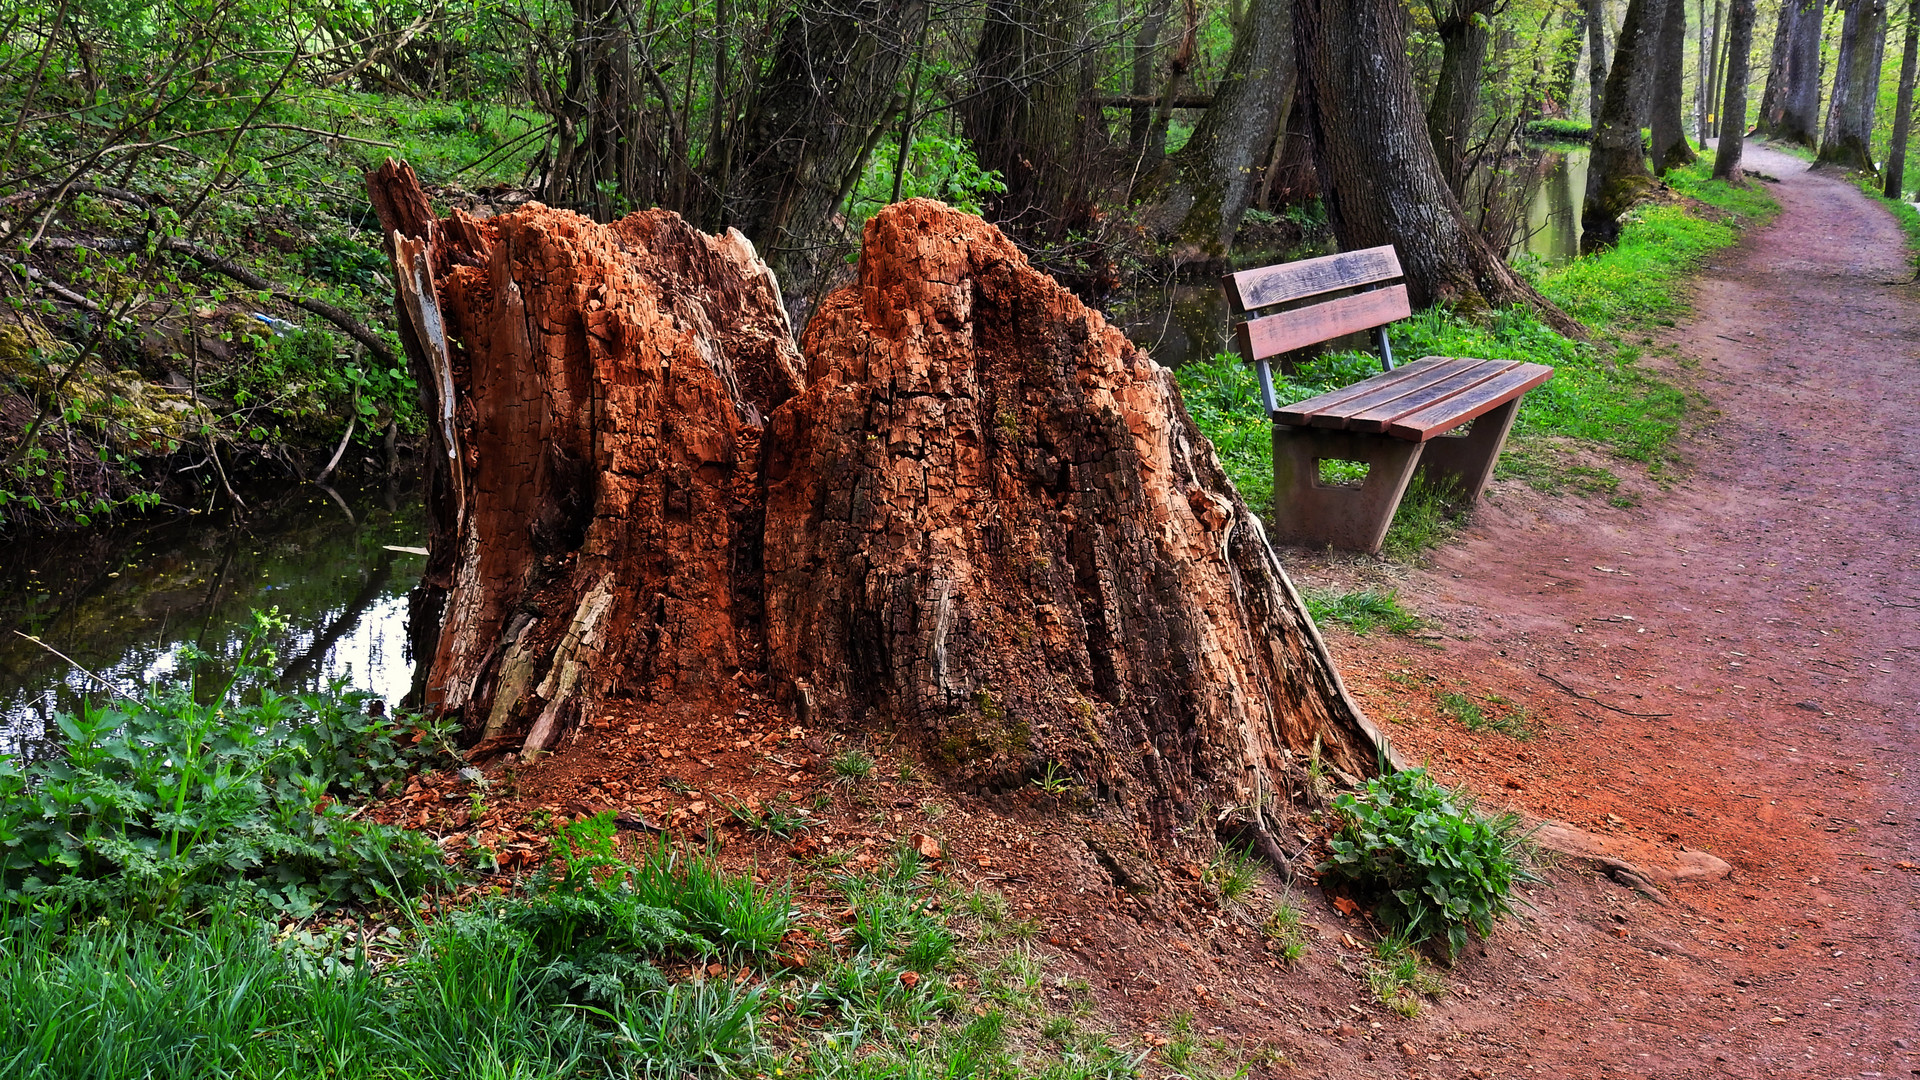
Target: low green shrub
{"points": [[1558, 129], [166, 805], [1432, 866]]}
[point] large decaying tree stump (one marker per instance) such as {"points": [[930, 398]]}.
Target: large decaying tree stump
{"points": [[978, 517]]}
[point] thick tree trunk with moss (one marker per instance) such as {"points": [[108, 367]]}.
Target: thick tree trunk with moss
{"points": [[1617, 173], [1847, 140], [979, 518], [1669, 135], [1377, 169], [1198, 195]]}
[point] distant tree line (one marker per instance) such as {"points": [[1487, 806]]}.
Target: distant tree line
{"points": [[1093, 131]]}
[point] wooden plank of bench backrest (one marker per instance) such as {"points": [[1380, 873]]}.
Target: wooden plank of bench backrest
{"points": [[1381, 390], [1289, 330], [1476, 401], [1250, 289]]}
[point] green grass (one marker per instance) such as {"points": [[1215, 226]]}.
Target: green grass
{"points": [[1512, 721], [1398, 977], [1601, 394], [589, 974], [1285, 933], [1559, 129], [1362, 610]]}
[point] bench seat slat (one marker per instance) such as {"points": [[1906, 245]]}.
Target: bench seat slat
{"points": [[1477, 401], [1469, 374], [1336, 410], [1251, 289], [1289, 330], [1331, 401]]}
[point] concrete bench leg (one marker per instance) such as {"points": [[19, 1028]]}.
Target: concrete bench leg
{"points": [[1468, 460], [1313, 514]]}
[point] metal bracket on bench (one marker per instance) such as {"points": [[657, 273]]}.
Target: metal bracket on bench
{"points": [[1386, 348], [1266, 387]]}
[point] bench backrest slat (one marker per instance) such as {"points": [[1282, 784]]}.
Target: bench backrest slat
{"points": [[1252, 289], [1289, 330]]}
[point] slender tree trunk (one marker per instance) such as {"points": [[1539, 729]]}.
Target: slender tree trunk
{"points": [[1896, 181], [1567, 64], [1715, 60], [1597, 54], [1733, 111], [1848, 139], [1702, 83], [1200, 193], [1381, 182], [1670, 146], [1647, 62], [1617, 174], [815, 115], [1773, 97], [1146, 49], [1456, 94]]}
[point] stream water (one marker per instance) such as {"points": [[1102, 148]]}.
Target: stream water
{"points": [[122, 602]]}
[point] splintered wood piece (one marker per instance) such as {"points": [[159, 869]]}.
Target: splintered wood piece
{"points": [[1290, 330], [1469, 404], [1252, 289], [1333, 410]]}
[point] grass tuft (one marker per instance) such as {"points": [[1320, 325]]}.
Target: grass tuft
{"points": [[1362, 611]]}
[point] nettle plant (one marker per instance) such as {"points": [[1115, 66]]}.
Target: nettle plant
{"points": [[1433, 866], [163, 805]]}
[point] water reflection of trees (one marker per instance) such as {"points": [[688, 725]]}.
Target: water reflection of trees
{"points": [[121, 602]]}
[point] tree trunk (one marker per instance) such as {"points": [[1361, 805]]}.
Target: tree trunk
{"points": [[1381, 182], [1647, 62], [1200, 193], [981, 520], [1146, 47], [1848, 139], [1703, 84], [1596, 59], [1455, 105], [1670, 146], [1793, 114], [1733, 112], [1024, 114], [812, 121], [1617, 173], [1896, 180]]}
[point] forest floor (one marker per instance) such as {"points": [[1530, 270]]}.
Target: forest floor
{"points": [[1753, 633], [1722, 664]]}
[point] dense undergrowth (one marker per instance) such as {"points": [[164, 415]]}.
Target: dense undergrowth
{"points": [[1602, 393]]}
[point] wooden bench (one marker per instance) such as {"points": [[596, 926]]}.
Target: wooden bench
{"points": [[1402, 419]]}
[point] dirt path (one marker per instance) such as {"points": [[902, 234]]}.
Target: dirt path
{"points": [[1756, 632]]}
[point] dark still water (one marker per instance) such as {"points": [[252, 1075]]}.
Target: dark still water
{"points": [[121, 602]]}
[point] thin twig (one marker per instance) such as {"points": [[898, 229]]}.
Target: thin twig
{"points": [[79, 668], [1597, 701]]}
